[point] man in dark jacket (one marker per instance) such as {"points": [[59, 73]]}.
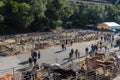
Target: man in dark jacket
{"points": [[34, 60], [35, 54], [39, 55], [30, 61], [86, 50]]}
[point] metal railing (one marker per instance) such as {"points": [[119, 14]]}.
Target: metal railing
{"points": [[26, 74]]}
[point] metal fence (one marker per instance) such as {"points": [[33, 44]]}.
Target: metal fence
{"points": [[25, 73], [14, 73]]}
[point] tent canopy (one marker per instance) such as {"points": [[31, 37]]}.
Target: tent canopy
{"points": [[108, 26]]}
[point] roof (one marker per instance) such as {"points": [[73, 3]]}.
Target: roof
{"points": [[111, 24]]}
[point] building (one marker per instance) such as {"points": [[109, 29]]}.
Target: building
{"points": [[96, 1], [90, 1], [112, 26], [114, 1]]}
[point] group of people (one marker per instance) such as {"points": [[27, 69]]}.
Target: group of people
{"points": [[68, 41], [33, 59], [76, 53], [33, 65], [63, 45], [104, 44]]}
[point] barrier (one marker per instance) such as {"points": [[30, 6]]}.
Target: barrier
{"points": [[22, 73], [30, 41]]}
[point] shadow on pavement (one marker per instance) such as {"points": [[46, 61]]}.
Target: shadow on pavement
{"points": [[65, 59], [23, 63], [59, 51], [23, 69]]}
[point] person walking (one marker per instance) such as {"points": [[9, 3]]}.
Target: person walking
{"points": [[34, 60], [63, 47], [72, 51], [32, 54], [30, 62], [86, 50], [76, 53], [35, 54], [96, 48], [70, 56], [66, 42], [105, 48], [71, 42], [39, 55]]}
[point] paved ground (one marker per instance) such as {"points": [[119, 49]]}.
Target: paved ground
{"points": [[47, 56]]}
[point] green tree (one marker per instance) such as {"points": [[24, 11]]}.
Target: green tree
{"points": [[2, 4], [73, 21], [24, 17], [117, 17], [58, 11], [2, 27], [97, 13], [38, 7], [83, 14], [19, 17], [1, 18], [112, 11]]}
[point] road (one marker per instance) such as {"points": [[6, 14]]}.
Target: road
{"points": [[47, 56]]}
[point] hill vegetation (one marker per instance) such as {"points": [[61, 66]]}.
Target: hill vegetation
{"points": [[18, 16]]}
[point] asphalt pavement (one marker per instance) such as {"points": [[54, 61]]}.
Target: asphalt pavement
{"points": [[51, 55]]}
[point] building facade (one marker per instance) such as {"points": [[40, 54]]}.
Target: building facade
{"points": [[96, 1]]}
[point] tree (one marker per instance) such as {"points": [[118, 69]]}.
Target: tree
{"points": [[83, 14], [112, 11], [58, 11], [19, 18], [24, 17], [42, 15], [38, 7], [117, 17], [1, 18], [97, 14], [73, 21], [1, 11]]}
